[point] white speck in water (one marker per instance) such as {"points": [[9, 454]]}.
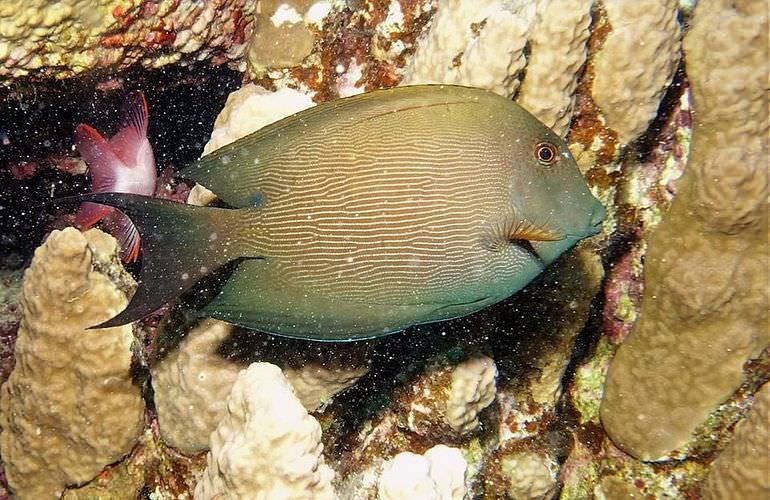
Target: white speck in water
{"points": [[204, 269], [339, 68], [213, 237], [350, 260], [226, 159], [185, 276]]}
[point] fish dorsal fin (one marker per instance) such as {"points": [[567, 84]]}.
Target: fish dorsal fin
{"points": [[103, 162], [232, 172], [132, 134]]}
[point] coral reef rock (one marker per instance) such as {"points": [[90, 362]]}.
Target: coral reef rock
{"points": [[191, 386], [473, 389], [283, 33], [529, 475], [266, 446], [69, 37], [474, 43], [742, 470], [704, 311], [69, 407], [558, 52], [439, 474], [636, 63]]}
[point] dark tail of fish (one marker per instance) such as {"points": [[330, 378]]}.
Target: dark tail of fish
{"points": [[180, 244]]}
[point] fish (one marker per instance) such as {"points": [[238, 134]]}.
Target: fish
{"points": [[366, 215], [124, 164]]}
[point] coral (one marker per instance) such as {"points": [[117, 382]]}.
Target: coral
{"points": [[439, 474], [479, 44], [247, 110], [69, 407], [73, 36], [741, 470], [636, 63], [266, 446], [704, 308], [529, 475], [283, 33], [558, 51], [191, 386], [473, 389]]}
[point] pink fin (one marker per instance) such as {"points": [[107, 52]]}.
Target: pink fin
{"points": [[102, 161], [91, 213], [133, 128]]}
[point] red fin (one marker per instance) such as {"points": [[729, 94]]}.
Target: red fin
{"points": [[91, 213], [134, 120], [102, 161], [127, 235]]}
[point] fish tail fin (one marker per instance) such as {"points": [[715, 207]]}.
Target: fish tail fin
{"points": [[180, 244]]}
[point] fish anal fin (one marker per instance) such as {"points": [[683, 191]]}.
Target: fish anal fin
{"points": [[89, 214]]}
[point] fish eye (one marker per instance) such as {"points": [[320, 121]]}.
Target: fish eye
{"points": [[545, 153]]}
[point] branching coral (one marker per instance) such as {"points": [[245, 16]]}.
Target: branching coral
{"points": [[704, 311], [266, 446], [69, 407], [72, 36]]}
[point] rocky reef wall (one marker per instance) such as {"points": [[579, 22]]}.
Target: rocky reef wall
{"points": [[637, 365]]}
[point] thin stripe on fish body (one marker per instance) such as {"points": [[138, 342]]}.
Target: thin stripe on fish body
{"points": [[386, 210]]}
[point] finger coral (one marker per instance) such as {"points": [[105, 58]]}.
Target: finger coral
{"points": [[439, 474], [636, 63], [473, 389], [69, 407], [704, 311], [191, 384], [266, 446], [741, 470], [474, 43]]}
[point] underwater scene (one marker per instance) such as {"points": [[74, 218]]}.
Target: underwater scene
{"points": [[384, 249]]}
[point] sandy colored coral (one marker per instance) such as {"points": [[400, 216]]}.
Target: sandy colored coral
{"points": [[742, 470], [704, 311], [266, 446], [68, 37], [529, 475], [636, 63], [473, 389], [474, 43], [282, 35], [191, 386], [247, 110], [558, 51], [439, 474], [69, 407]]}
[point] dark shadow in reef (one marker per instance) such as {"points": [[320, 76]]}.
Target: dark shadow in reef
{"points": [[37, 123]]}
